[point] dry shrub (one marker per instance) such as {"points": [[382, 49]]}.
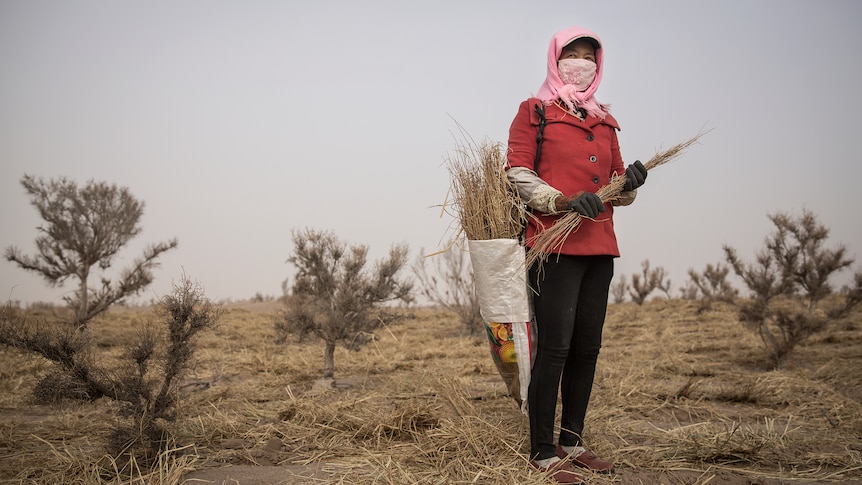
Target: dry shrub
{"points": [[712, 286], [446, 280], [337, 297], [84, 229], [647, 281], [140, 380], [619, 289], [790, 291]]}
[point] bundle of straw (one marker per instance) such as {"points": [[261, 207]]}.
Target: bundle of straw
{"points": [[550, 240], [488, 205]]}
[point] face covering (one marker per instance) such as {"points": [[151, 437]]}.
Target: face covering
{"points": [[577, 72]]}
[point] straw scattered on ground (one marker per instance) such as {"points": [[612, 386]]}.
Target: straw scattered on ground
{"points": [[679, 398]]}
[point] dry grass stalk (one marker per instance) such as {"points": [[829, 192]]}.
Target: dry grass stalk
{"points": [[487, 204], [551, 239]]}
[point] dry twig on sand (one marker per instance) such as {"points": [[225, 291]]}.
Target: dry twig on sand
{"points": [[549, 240]]}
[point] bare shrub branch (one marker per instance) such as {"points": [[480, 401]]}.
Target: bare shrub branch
{"points": [[335, 298], [85, 227], [790, 281], [145, 381], [446, 279], [662, 282], [643, 284], [619, 289], [712, 286]]}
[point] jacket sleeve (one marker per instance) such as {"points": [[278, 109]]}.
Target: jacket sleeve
{"points": [[522, 137], [521, 159], [626, 197], [536, 193]]}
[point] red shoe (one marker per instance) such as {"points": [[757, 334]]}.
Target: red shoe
{"points": [[561, 472], [586, 459]]}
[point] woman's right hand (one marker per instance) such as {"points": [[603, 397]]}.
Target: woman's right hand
{"points": [[586, 204]]}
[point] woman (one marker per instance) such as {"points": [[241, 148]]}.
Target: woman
{"points": [[562, 148]]}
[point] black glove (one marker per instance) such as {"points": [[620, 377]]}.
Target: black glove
{"points": [[635, 176], [587, 204]]}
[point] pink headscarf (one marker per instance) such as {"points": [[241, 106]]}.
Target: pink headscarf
{"points": [[553, 88]]}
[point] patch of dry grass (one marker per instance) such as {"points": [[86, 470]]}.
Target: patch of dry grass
{"points": [[486, 203], [679, 398]]}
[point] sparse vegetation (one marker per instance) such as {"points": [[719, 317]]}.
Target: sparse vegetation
{"points": [[663, 283], [791, 297], [336, 298], [446, 280], [143, 380], [85, 227], [712, 286], [678, 400], [650, 279], [680, 395], [690, 291], [619, 289]]}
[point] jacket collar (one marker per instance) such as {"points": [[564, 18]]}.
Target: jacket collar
{"points": [[557, 113]]}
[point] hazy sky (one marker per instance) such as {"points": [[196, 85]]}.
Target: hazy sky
{"points": [[236, 122]]}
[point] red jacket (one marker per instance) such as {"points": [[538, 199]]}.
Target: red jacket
{"points": [[576, 156]]}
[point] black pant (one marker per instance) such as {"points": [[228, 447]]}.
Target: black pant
{"points": [[570, 312]]}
